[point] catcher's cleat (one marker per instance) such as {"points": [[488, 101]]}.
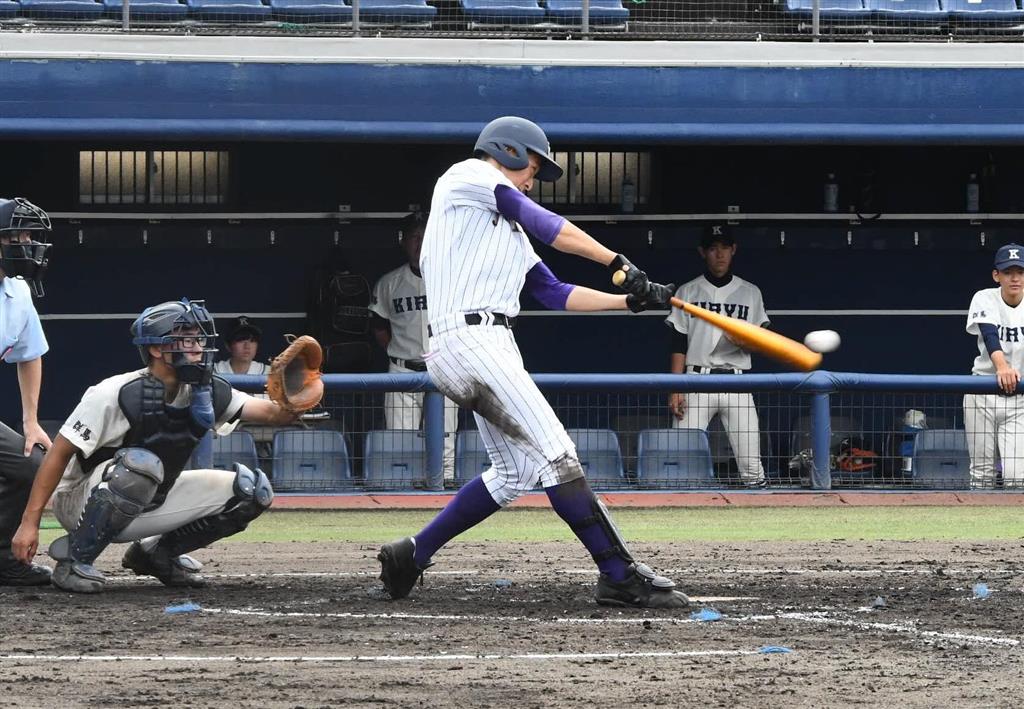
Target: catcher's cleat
{"points": [[174, 571], [642, 589], [15, 573], [77, 577], [398, 569]]}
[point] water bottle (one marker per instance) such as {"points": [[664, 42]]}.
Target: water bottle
{"points": [[973, 194], [831, 194], [628, 195]]}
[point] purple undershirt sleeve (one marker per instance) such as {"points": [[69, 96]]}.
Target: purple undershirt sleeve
{"points": [[539, 222], [990, 336], [546, 288]]}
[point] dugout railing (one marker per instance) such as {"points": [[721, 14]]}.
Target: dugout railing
{"points": [[817, 431]]}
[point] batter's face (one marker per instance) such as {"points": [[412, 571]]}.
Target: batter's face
{"points": [[1011, 283], [718, 258], [523, 179], [244, 349]]}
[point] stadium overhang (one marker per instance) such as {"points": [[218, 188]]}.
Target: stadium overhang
{"points": [[116, 87]]}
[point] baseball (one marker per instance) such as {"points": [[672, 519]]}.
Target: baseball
{"points": [[619, 277], [822, 340]]}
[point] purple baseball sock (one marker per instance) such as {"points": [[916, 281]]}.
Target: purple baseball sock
{"points": [[470, 506], [573, 501]]}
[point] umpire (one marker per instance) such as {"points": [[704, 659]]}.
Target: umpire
{"points": [[23, 261]]}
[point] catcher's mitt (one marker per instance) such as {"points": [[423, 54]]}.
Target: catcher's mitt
{"points": [[294, 381]]}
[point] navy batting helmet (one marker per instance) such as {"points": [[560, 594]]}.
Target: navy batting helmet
{"points": [[24, 258], [507, 140], [188, 327]]}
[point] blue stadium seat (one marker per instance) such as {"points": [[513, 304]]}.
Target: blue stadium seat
{"points": [[984, 11], [503, 12], [396, 12], [395, 459], [599, 454], [237, 446], [62, 9], [906, 10], [471, 457], [602, 12], [828, 9], [310, 460], [673, 456], [228, 10], [941, 458], [311, 10], [168, 10], [9, 8]]}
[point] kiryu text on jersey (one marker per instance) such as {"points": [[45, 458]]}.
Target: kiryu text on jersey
{"points": [[1009, 334], [409, 304], [733, 310]]}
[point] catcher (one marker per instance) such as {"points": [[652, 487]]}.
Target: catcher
{"points": [[117, 463]]}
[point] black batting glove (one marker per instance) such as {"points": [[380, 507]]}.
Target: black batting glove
{"points": [[656, 299], [635, 281]]}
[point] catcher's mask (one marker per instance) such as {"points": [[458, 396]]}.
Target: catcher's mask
{"points": [[853, 457], [188, 328], [24, 256]]}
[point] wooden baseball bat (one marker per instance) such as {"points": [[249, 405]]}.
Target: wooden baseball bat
{"points": [[754, 337]]}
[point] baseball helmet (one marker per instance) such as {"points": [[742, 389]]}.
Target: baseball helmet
{"points": [[176, 323], [27, 259], [518, 135]]}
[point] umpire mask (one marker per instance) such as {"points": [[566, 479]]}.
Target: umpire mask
{"points": [[22, 254]]}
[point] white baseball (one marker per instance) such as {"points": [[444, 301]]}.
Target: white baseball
{"points": [[822, 340]]}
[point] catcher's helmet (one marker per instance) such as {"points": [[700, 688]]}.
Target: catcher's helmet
{"points": [[177, 323], [24, 259], [518, 135]]}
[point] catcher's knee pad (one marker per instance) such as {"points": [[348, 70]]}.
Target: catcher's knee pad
{"points": [[129, 484], [253, 494]]}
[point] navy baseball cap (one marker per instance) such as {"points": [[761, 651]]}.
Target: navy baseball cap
{"points": [[242, 327], [716, 234], [1008, 256]]}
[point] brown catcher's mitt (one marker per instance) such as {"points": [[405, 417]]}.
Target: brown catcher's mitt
{"points": [[294, 381]]}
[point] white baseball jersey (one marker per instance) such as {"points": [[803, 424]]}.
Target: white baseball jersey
{"points": [[400, 297], [473, 259], [98, 421], [988, 306], [707, 345], [255, 367]]}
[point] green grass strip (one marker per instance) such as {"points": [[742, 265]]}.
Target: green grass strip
{"points": [[656, 525]]}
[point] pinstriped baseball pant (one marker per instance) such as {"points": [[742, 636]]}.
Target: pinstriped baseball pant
{"points": [[480, 367]]}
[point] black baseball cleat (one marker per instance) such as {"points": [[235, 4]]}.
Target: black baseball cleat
{"points": [[15, 573], [398, 569], [641, 589], [174, 571]]}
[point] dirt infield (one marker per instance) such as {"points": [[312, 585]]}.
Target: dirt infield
{"points": [[514, 624]]}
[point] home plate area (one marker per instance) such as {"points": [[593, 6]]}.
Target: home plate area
{"points": [[295, 624]]}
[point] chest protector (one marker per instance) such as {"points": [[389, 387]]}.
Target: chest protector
{"points": [[167, 431]]}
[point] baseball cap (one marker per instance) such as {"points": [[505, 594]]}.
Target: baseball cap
{"points": [[716, 234], [241, 327], [1009, 255]]}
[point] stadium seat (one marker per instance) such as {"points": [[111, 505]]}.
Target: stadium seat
{"points": [[670, 456], [310, 460], [396, 12], [62, 9], [236, 447], [502, 12], [602, 12], [984, 11], [395, 459], [941, 459], [331, 11], [599, 454], [828, 9], [906, 10], [166, 10], [228, 10], [471, 457]]}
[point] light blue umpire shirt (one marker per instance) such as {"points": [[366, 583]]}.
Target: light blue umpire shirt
{"points": [[21, 333]]}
